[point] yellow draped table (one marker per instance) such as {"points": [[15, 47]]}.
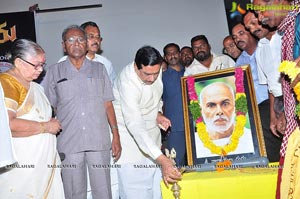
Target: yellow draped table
{"points": [[241, 183]]}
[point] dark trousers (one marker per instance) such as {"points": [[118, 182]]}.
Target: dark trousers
{"points": [[272, 142], [176, 140]]}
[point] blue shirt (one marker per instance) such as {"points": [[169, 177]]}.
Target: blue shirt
{"points": [[296, 50], [172, 98], [261, 90]]}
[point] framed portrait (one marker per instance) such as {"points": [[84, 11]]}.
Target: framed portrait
{"points": [[221, 119]]}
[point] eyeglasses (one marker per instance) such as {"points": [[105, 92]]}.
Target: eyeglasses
{"points": [[98, 37], [72, 40], [35, 66]]}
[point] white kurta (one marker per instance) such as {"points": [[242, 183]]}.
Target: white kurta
{"points": [[136, 106]]}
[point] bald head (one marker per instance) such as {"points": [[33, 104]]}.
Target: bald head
{"points": [[218, 108], [231, 49]]}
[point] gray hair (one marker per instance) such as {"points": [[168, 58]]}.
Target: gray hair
{"points": [[214, 84], [23, 48], [71, 27]]}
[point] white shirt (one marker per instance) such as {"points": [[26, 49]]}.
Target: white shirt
{"points": [[245, 145], [136, 106], [268, 59], [103, 60], [218, 62]]}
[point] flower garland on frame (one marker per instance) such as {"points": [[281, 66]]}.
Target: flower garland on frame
{"points": [[241, 111], [289, 68]]}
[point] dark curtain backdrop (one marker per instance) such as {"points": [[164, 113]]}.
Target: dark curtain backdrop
{"points": [[18, 25], [234, 11]]}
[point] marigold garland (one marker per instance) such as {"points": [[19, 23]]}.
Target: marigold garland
{"points": [[241, 111], [289, 68]]}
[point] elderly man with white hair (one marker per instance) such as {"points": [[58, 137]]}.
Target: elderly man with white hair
{"points": [[218, 111]]}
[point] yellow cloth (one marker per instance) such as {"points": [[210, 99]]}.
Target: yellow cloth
{"points": [[14, 92], [232, 184], [290, 183]]}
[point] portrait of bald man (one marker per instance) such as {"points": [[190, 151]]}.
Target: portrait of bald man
{"points": [[217, 102]]}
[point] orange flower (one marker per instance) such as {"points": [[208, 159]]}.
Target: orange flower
{"points": [[221, 166]]}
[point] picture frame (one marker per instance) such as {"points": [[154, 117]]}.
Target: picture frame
{"points": [[205, 146]]}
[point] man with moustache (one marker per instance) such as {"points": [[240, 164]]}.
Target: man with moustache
{"points": [[94, 40], [287, 22], [218, 112], [204, 59], [248, 44], [138, 90], [81, 93], [256, 28], [172, 99], [230, 47], [268, 58], [186, 56]]}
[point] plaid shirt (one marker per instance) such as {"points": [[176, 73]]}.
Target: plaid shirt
{"points": [[287, 27]]}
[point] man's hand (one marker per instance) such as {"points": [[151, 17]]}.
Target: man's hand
{"points": [[163, 122], [170, 173], [116, 147], [273, 124], [281, 123]]}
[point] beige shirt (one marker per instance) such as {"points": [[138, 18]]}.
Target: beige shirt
{"points": [[136, 105]]}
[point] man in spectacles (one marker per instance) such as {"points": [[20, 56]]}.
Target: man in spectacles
{"points": [[81, 93], [94, 40]]}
